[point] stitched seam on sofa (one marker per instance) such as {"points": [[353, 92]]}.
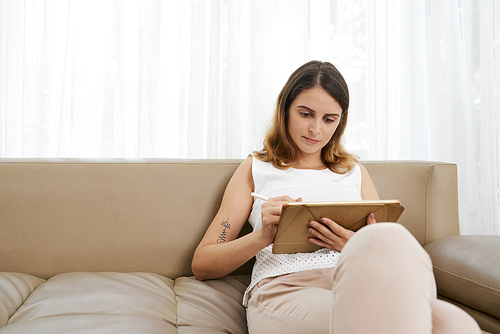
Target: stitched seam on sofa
{"points": [[468, 280], [24, 301], [482, 314], [176, 305], [138, 161], [426, 204], [405, 162]]}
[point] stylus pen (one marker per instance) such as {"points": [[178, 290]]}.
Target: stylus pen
{"points": [[259, 196]]}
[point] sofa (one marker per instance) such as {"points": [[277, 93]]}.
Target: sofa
{"points": [[105, 246]]}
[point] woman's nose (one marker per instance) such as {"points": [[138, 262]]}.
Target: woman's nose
{"points": [[314, 128]]}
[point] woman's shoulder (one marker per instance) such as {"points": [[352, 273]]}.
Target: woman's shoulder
{"points": [[246, 165], [368, 189], [258, 163], [241, 180], [362, 168], [355, 168]]}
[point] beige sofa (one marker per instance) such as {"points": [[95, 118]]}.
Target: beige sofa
{"points": [[106, 246]]}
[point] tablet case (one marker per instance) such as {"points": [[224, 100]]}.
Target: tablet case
{"points": [[292, 235]]}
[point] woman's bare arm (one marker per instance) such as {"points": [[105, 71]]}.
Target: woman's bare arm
{"points": [[220, 251], [368, 190]]}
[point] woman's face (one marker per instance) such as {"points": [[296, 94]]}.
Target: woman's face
{"points": [[313, 118]]}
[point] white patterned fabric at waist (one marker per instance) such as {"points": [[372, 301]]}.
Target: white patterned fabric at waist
{"points": [[268, 264]]}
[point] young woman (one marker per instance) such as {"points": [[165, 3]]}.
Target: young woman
{"points": [[382, 282]]}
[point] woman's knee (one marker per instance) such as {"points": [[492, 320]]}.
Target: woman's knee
{"points": [[385, 248], [384, 237]]}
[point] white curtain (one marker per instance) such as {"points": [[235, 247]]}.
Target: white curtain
{"points": [[199, 79]]}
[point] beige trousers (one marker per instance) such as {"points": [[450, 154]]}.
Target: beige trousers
{"points": [[383, 283]]}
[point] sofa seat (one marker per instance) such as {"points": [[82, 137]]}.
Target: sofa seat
{"points": [[111, 302]]}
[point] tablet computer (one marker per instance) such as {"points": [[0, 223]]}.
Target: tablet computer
{"points": [[292, 235]]}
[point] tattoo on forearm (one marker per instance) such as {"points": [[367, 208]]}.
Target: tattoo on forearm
{"points": [[222, 236]]}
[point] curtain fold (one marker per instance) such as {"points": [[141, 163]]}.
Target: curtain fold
{"points": [[199, 79]]}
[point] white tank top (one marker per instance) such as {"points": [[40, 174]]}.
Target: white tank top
{"points": [[310, 185]]}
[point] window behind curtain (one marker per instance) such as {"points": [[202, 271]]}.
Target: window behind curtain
{"points": [[199, 79]]}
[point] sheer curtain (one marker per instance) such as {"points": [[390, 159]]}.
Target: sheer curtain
{"points": [[434, 94], [199, 79]]}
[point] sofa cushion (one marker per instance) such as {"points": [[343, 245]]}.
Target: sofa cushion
{"points": [[211, 306], [14, 289], [467, 271], [110, 302], [98, 303]]}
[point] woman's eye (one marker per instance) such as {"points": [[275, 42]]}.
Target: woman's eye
{"points": [[329, 120], [305, 114]]}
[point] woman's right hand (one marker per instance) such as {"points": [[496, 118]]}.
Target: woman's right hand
{"points": [[271, 213]]}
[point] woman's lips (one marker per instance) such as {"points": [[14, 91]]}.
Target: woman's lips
{"points": [[311, 141]]}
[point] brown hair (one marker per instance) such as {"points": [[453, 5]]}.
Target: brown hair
{"points": [[279, 149]]}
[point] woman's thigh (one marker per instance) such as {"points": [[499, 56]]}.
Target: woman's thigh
{"points": [[294, 303]]}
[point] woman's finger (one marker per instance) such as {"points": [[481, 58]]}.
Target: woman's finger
{"points": [[329, 234], [336, 228], [320, 231], [281, 199], [371, 219], [321, 243]]}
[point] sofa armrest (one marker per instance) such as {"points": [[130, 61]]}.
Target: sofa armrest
{"points": [[467, 271]]}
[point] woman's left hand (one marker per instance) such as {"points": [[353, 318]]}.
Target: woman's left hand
{"points": [[331, 235]]}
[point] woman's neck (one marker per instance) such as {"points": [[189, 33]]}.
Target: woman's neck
{"points": [[310, 163]]}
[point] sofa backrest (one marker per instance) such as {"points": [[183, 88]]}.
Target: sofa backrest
{"points": [[149, 215]]}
